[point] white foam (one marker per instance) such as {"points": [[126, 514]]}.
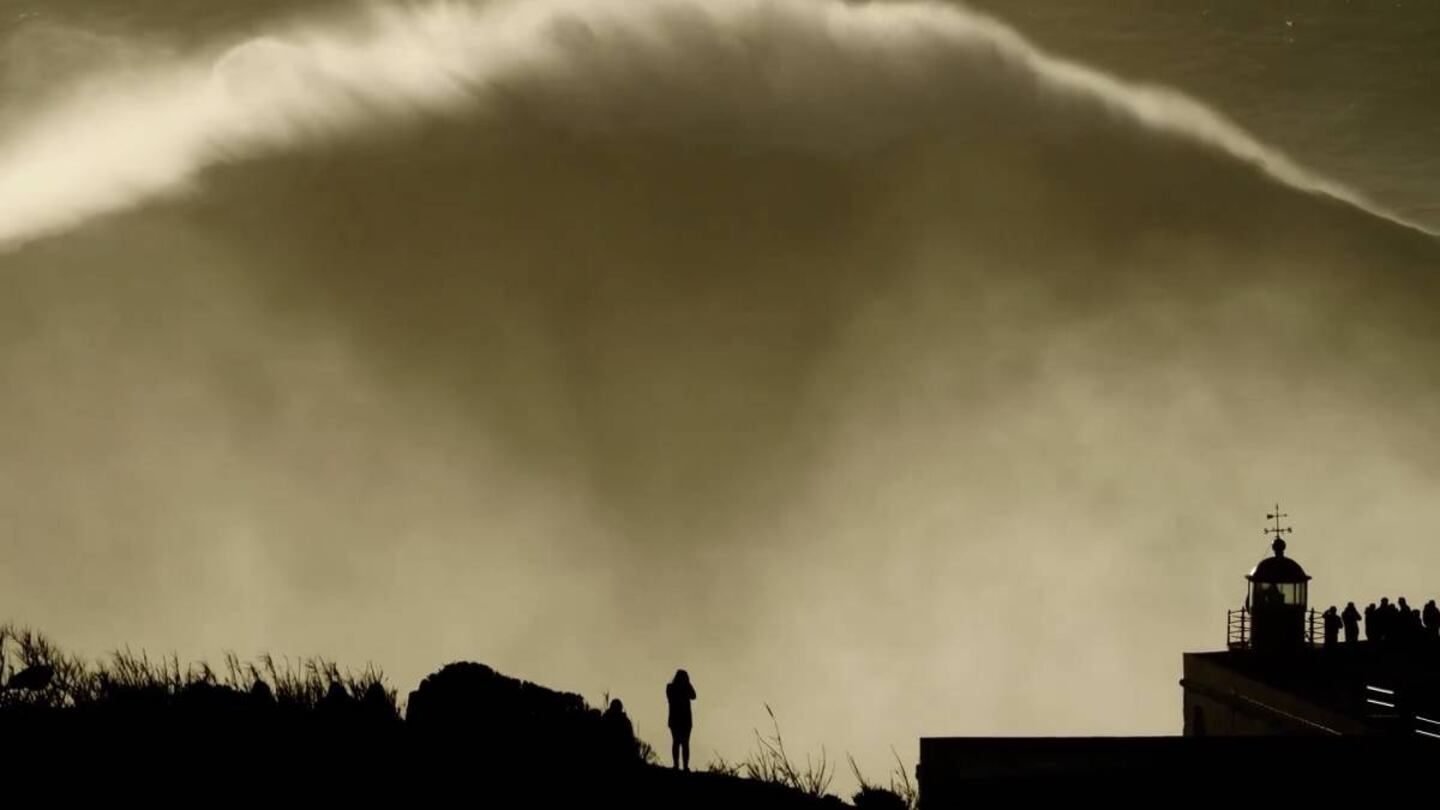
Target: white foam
{"points": [[807, 74]]}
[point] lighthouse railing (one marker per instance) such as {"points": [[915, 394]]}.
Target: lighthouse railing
{"points": [[1237, 629]]}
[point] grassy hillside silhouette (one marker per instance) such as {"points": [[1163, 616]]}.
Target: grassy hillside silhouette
{"points": [[309, 727]]}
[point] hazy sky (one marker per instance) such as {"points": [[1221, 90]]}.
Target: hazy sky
{"points": [[862, 359]]}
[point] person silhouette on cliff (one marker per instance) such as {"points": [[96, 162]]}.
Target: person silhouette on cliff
{"points": [[679, 693]]}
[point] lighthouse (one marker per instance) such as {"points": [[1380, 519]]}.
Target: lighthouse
{"points": [[1275, 601]]}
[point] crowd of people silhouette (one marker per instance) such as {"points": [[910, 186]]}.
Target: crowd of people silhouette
{"points": [[1386, 622]]}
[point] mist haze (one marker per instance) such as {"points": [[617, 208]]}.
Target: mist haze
{"points": [[864, 360]]}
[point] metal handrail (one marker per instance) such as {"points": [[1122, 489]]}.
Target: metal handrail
{"points": [[1238, 628]]}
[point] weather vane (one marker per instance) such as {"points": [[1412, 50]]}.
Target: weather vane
{"points": [[1276, 529]]}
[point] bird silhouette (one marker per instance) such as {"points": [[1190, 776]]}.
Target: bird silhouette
{"points": [[32, 678]]}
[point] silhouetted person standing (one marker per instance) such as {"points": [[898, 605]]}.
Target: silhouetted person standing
{"points": [[1431, 617], [620, 742], [1372, 629], [1332, 626], [1351, 619], [679, 693], [1405, 624], [1387, 616]]}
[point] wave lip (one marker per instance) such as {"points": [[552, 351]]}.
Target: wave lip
{"points": [[814, 75]]}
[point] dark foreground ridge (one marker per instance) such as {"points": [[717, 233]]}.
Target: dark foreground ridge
{"points": [[1239, 770], [468, 733]]}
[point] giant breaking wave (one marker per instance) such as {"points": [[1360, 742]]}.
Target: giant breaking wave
{"points": [[587, 337]]}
